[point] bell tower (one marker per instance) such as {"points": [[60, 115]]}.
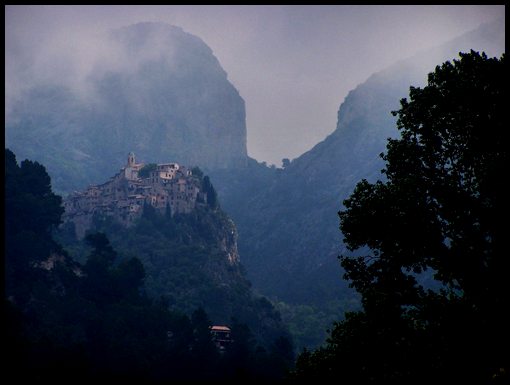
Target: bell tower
{"points": [[131, 159]]}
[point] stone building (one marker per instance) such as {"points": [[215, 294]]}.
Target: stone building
{"points": [[169, 186], [221, 336]]}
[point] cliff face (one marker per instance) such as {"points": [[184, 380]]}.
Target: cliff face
{"points": [[190, 257], [288, 226], [162, 94], [191, 260]]}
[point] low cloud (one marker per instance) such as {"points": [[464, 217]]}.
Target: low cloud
{"points": [[293, 65]]}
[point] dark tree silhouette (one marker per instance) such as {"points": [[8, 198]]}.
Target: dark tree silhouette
{"points": [[93, 322], [30, 205], [146, 170], [212, 196], [32, 211], [438, 219]]}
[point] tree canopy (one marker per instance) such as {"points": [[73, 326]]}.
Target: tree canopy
{"points": [[93, 322], [432, 266], [146, 170], [32, 211]]}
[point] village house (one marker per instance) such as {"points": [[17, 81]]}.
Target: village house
{"points": [[221, 336], [169, 186]]}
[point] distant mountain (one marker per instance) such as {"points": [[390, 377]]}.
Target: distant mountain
{"points": [[171, 100], [165, 97], [288, 226]]}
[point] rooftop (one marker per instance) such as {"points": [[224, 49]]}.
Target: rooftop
{"points": [[220, 328]]}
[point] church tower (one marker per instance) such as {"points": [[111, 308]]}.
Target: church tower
{"points": [[131, 159]]}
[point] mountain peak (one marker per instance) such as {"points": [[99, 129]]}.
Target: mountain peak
{"points": [[157, 90]]}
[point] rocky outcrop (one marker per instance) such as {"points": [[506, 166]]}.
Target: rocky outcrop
{"points": [[288, 226], [162, 94]]}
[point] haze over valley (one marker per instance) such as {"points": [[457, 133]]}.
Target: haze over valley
{"points": [[190, 163]]}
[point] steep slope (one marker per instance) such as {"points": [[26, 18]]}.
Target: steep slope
{"points": [[94, 318], [288, 227], [159, 92], [190, 256]]}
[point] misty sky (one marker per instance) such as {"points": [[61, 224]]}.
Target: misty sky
{"points": [[293, 65]]}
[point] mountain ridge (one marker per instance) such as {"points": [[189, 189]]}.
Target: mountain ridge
{"points": [[164, 95], [297, 206]]}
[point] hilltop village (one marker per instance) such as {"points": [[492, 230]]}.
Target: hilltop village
{"points": [[167, 186]]}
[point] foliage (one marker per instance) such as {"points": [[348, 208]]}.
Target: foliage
{"points": [[282, 223], [146, 170], [212, 196], [287, 222], [197, 172], [93, 322], [185, 260], [28, 193], [442, 209], [32, 211]]}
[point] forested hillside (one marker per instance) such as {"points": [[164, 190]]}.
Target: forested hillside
{"points": [[441, 211], [100, 319], [173, 101], [191, 261], [288, 228]]}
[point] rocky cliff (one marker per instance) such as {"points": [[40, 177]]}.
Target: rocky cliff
{"points": [[288, 225], [191, 261], [158, 91]]}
